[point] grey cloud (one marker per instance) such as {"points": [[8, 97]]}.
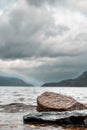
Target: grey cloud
{"points": [[16, 51], [22, 35], [25, 50], [81, 37], [73, 4], [28, 31], [56, 30], [58, 70], [41, 2]]}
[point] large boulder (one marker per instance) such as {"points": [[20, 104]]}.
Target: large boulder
{"points": [[50, 101], [73, 118]]}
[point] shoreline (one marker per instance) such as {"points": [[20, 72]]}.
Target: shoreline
{"points": [[17, 102], [11, 118]]}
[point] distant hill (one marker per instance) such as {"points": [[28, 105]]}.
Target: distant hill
{"points": [[80, 81], [12, 81]]}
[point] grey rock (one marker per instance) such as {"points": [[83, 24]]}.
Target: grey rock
{"points": [[68, 118]]}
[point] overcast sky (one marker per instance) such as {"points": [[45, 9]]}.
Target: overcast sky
{"points": [[43, 40]]}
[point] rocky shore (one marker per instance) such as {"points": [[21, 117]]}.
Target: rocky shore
{"points": [[68, 114], [54, 108]]}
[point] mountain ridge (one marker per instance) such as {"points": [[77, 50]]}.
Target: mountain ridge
{"points": [[12, 81], [80, 81]]}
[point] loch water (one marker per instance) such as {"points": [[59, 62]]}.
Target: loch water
{"points": [[28, 95]]}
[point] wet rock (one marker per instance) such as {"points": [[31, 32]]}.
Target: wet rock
{"points": [[17, 107], [68, 118], [50, 101]]}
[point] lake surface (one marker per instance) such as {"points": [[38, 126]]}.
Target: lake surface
{"points": [[28, 95]]}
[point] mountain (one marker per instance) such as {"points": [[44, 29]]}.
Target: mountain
{"points": [[80, 81], [12, 81]]}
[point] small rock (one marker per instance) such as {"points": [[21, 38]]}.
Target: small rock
{"points": [[50, 101], [17, 107]]}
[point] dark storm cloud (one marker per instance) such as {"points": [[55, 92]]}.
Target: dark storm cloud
{"points": [[53, 31], [17, 51], [58, 70], [29, 32], [23, 34]]}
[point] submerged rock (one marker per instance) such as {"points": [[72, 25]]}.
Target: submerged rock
{"points": [[50, 101], [17, 107], [72, 118]]}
